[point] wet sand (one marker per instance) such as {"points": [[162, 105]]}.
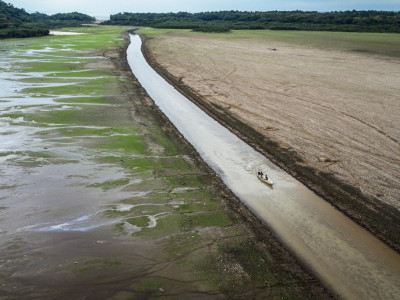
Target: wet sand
{"points": [[309, 102]]}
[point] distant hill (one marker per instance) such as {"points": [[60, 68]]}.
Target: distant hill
{"points": [[17, 23], [363, 21]]}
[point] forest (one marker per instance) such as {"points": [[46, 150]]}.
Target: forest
{"points": [[17, 23], [222, 21]]}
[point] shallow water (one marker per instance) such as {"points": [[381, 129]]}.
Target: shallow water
{"points": [[60, 202], [345, 257], [64, 33]]}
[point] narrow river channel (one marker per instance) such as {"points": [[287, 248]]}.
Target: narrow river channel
{"points": [[344, 256]]}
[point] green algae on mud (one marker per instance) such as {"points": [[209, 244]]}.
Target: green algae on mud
{"points": [[162, 212]]}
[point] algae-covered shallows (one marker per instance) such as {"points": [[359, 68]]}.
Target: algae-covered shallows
{"points": [[99, 200], [346, 257]]}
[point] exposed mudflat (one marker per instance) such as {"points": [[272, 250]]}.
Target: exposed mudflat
{"points": [[326, 112], [100, 197]]}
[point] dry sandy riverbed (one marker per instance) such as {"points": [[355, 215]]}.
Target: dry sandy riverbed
{"points": [[328, 101]]}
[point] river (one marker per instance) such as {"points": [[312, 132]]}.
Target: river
{"points": [[84, 180], [348, 259]]}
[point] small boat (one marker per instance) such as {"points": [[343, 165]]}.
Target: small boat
{"points": [[264, 178]]}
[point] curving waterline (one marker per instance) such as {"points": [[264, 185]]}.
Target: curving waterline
{"points": [[348, 259]]}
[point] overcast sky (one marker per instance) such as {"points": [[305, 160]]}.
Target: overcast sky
{"points": [[107, 7]]}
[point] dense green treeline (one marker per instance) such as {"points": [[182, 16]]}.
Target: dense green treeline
{"points": [[17, 23], [366, 21]]}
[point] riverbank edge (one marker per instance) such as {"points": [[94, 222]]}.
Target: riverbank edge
{"points": [[289, 263], [379, 218]]}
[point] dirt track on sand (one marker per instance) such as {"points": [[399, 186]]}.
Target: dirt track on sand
{"points": [[329, 117]]}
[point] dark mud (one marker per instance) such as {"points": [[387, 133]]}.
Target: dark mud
{"points": [[379, 218]]}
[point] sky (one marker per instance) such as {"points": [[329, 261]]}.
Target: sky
{"points": [[103, 8]]}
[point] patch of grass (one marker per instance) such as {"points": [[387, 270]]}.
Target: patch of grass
{"points": [[99, 100], [57, 117], [134, 165], [83, 73], [158, 187], [138, 164], [168, 145], [111, 184], [98, 86], [183, 180], [44, 80], [133, 144], [167, 225], [165, 168], [146, 207], [95, 132], [51, 66], [7, 153], [140, 221], [13, 115], [205, 219], [8, 187], [79, 131], [185, 217], [196, 207], [175, 165], [154, 31]]}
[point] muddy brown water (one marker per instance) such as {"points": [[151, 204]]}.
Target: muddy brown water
{"points": [[348, 259]]}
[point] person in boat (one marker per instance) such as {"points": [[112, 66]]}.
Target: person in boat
{"points": [[265, 177], [261, 174]]}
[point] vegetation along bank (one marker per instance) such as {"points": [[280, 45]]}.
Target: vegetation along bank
{"points": [[17, 23], [361, 21]]}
